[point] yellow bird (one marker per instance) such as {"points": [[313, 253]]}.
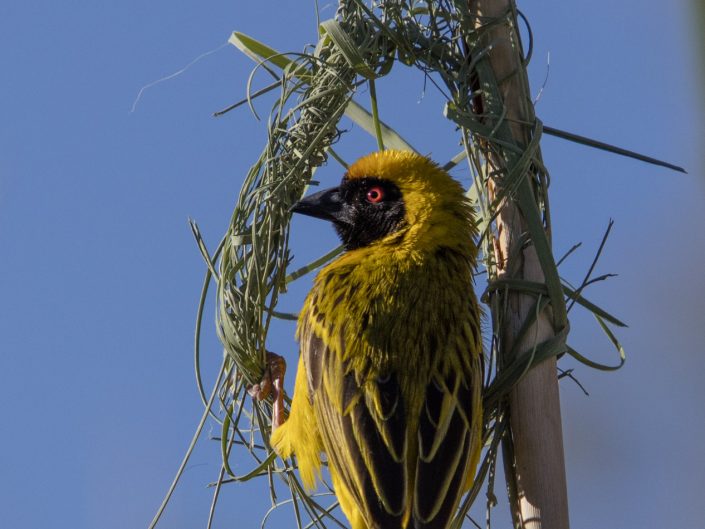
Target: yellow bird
{"points": [[390, 373]]}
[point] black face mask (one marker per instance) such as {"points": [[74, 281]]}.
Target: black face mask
{"points": [[362, 210]]}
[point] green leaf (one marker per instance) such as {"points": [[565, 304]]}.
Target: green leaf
{"points": [[224, 438], [259, 52], [508, 377], [595, 365], [310, 267], [455, 160], [451, 112], [259, 469], [575, 138], [288, 316], [392, 139], [240, 239], [527, 204], [540, 288], [375, 115], [347, 47], [597, 311]]}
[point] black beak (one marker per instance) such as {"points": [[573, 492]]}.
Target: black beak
{"points": [[326, 205]]}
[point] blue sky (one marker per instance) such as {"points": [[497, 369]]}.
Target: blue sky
{"points": [[99, 275]]}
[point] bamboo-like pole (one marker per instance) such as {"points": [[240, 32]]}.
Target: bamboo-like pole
{"points": [[536, 476]]}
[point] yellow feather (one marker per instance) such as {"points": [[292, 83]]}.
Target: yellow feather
{"points": [[298, 435], [390, 375]]}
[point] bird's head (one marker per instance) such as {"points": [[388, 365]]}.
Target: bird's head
{"points": [[396, 198]]}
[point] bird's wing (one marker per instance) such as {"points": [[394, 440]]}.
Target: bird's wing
{"points": [[449, 440], [364, 429], [364, 426]]}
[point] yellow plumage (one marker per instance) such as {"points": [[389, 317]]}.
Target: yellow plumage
{"points": [[390, 374]]}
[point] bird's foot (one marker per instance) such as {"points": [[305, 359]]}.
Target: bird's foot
{"points": [[272, 384]]}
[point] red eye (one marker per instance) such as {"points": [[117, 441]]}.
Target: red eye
{"points": [[375, 195]]}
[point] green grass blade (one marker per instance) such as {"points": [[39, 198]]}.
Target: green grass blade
{"points": [[509, 376], [391, 138], [259, 52], [533, 287], [596, 365], [347, 46], [583, 140], [527, 203], [375, 115], [597, 311], [455, 160], [288, 316], [189, 450], [225, 439], [335, 252]]}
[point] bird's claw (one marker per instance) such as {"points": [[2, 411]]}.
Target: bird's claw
{"points": [[272, 384]]}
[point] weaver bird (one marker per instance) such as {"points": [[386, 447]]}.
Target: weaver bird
{"points": [[390, 373]]}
